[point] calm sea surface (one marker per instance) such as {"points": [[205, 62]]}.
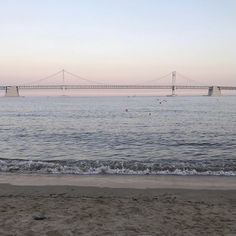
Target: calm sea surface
{"points": [[118, 135]]}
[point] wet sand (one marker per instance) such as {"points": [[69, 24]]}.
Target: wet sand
{"points": [[72, 205]]}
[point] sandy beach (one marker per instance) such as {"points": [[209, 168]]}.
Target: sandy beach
{"points": [[44, 205]]}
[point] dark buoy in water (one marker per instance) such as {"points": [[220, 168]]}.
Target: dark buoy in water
{"points": [[126, 110], [149, 113]]}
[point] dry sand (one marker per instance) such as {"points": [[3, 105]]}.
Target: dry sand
{"points": [[78, 210]]}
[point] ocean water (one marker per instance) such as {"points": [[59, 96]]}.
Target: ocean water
{"points": [[118, 135]]}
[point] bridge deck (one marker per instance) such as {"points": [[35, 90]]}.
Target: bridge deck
{"points": [[115, 87]]}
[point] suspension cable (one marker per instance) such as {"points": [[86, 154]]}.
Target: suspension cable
{"points": [[81, 78], [157, 79], [188, 79], [45, 78]]}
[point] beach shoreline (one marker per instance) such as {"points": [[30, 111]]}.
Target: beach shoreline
{"points": [[68, 205], [124, 181]]}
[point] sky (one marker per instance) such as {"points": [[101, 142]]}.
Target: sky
{"points": [[118, 41]]}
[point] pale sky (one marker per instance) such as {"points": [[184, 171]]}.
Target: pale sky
{"points": [[122, 41]]}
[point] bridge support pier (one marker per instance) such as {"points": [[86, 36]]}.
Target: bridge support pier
{"points": [[12, 91], [214, 91], [173, 91]]}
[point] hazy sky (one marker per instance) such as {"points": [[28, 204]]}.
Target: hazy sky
{"points": [[118, 40]]}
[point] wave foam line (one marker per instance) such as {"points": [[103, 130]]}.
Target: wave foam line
{"points": [[92, 167]]}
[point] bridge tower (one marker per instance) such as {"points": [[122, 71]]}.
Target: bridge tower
{"points": [[12, 91], [63, 83], [173, 83]]}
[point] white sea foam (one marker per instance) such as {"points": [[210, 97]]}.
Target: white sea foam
{"points": [[104, 167]]}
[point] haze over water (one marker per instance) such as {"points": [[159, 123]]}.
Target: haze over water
{"points": [[118, 41]]}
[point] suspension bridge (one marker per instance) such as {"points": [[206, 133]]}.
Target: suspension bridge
{"points": [[13, 91]]}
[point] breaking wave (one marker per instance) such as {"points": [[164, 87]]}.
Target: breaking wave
{"points": [[120, 167]]}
